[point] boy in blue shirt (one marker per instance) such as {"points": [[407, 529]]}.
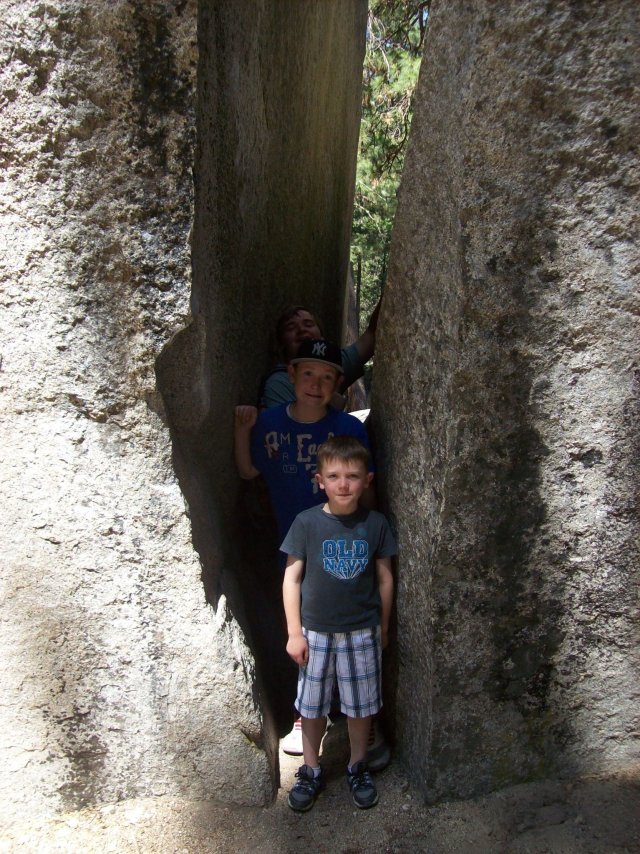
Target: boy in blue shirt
{"points": [[281, 442], [337, 591]]}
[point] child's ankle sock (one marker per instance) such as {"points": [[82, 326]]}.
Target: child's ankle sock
{"points": [[316, 772]]}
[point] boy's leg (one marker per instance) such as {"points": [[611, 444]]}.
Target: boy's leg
{"points": [[363, 790], [313, 701], [359, 660], [359, 672], [358, 737], [309, 776], [312, 731]]}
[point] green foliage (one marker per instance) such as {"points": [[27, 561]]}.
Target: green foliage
{"points": [[395, 35]]}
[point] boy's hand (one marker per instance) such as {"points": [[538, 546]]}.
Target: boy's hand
{"points": [[246, 416], [298, 649], [384, 637]]}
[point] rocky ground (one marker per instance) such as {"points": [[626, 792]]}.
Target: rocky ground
{"points": [[594, 815]]}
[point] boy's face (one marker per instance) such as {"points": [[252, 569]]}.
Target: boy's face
{"points": [[314, 383], [344, 482], [297, 329]]}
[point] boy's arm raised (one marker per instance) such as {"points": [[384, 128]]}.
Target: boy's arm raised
{"points": [[297, 646], [385, 586], [245, 418], [366, 343]]}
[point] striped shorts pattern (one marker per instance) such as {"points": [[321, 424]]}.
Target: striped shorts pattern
{"points": [[356, 659]]}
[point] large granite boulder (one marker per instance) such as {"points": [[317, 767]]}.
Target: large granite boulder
{"points": [[506, 397], [118, 679], [124, 668]]}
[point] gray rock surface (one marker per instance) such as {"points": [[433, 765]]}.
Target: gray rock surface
{"points": [[126, 666], [506, 397], [117, 678], [506, 401]]}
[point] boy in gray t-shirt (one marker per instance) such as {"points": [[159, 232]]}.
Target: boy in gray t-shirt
{"points": [[338, 590]]}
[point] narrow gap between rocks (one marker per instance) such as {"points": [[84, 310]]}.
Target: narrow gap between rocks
{"points": [[273, 201]]}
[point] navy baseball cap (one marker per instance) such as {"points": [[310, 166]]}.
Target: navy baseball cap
{"points": [[319, 350]]}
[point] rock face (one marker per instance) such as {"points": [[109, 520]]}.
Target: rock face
{"points": [[278, 117], [506, 391], [120, 677], [506, 385]]}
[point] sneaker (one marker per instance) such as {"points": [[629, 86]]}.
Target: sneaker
{"points": [[363, 791], [292, 742], [378, 751], [305, 791]]}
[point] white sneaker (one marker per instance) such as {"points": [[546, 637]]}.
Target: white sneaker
{"points": [[292, 742]]}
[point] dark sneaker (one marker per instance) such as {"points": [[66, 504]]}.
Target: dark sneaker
{"points": [[363, 790], [378, 752], [304, 792]]}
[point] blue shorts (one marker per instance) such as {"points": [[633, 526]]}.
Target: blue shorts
{"points": [[356, 659]]}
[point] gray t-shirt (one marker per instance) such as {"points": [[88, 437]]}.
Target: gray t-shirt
{"points": [[340, 585]]}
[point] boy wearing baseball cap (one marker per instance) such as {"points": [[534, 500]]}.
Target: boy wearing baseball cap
{"points": [[281, 443]]}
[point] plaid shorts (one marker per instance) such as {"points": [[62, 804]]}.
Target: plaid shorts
{"points": [[356, 659]]}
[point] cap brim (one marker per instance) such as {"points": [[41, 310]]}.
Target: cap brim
{"points": [[297, 361]]}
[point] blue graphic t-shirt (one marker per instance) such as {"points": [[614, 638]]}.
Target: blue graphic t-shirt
{"points": [[340, 585], [284, 451]]}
